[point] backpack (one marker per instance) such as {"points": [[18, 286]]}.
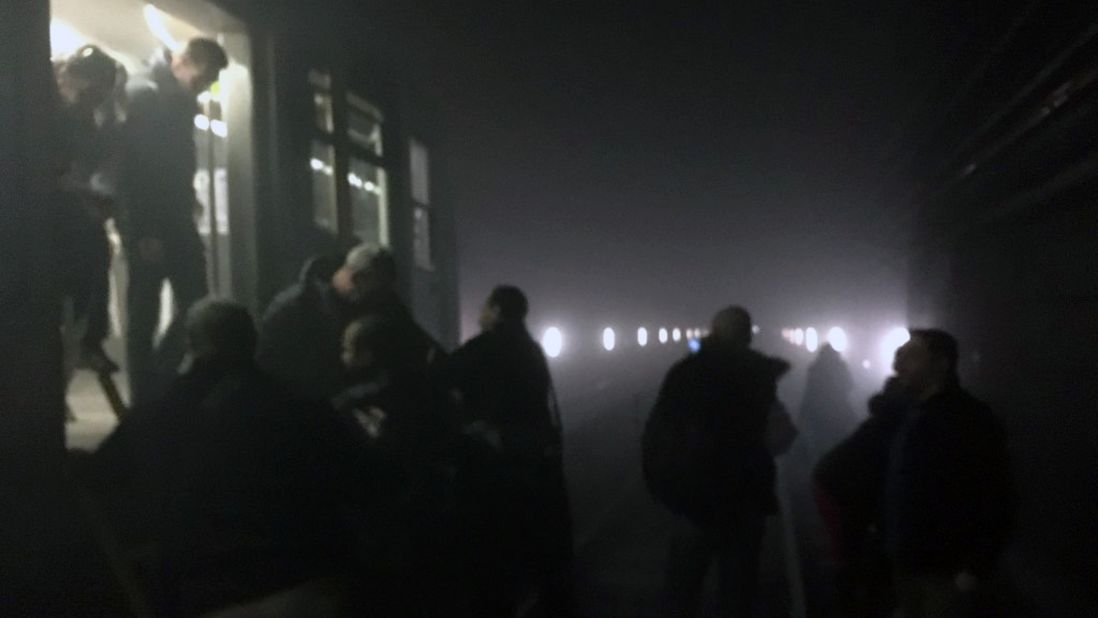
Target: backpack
{"points": [[693, 462]]}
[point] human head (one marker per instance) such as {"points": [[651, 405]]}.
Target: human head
{"points": [[199, 64], [506, 304], [369, 343], [927, 362], [87, 78], [732, 327], [368, 270], [221, 332]]}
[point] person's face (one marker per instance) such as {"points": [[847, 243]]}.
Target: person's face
{"points": [[196, 79], [489, 316], [916, 368], [79, 91]]}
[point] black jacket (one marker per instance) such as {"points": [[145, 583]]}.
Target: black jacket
{"points": [[241, 489], [302, 331], [157, 163], [504, 380], [853, 473], [949, 492], [729, 394]]}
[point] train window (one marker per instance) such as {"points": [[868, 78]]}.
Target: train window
{"points": [[322, 100], [322, 164], [418, 164], [369, 202], [364, 124], [421, 239]]}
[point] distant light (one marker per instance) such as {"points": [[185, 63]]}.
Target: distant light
{"points": [[838, 339], [756, 329], [64, 39], [609, 339], [798, 337], [205, 97], [154, 19], [867, 365], [202, 123], [694, 345], [811, 340], [676, 335], [642, 336], [892, 342], [354, 180], [219, 128], [552, 342], [663, 335]]}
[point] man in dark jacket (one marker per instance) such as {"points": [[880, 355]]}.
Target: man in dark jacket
{"points": [[706, 458], [301, 339], [237, 490], [948, 492], [86, 80], [850, 484], [156, 183], [502, 381]]}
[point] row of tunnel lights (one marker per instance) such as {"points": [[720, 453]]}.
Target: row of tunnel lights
{"points": [[552, 340], [809, 338]]}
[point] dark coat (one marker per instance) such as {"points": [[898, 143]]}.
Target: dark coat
{"points": [[729, 394], [157, 163], [949, 490], [240, 489], [301, 336], [503, 379], [853, 473]]}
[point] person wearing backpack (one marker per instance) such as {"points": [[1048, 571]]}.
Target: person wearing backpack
{"points": [[706, 459]]}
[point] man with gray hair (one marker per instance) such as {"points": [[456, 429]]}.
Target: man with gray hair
{"points": [[302, 333]]}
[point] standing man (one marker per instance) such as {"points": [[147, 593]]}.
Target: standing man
{"points": [[157, 188], [948, 492], [502, 381], [706, 458]]}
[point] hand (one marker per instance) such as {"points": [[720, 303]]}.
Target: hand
{"points": [[151, 250]]}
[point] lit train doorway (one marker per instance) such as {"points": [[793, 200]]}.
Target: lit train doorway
{"points": [[132, 31]]}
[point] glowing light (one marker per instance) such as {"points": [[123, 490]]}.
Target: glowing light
{"points": [[317, 165], [355, 181], [369, 186], [694, 345], [202, 123], [756, 329], [676, 335], [219, 128], [552, 342], [609, 339], [892, 342], [663, 335], [838, 339], [798, 337], [64, 39], [867, 365], [205, 98], [811, 340], [154, 19], [642, 336]]}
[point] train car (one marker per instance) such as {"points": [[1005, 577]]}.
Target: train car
{"points": [[310, 142]]}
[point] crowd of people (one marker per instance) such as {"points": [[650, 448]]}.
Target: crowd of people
{"points": [[336, 460], [917, 499]]}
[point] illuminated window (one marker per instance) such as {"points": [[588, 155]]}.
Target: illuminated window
{"points": [[322, 164], [364, 124], [369, 202], [322, 100]]}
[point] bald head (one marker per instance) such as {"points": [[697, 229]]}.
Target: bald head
{"points": [[732, 326]]}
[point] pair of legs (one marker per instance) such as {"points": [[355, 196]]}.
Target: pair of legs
{"points": [[735, 546], [184, 267]]}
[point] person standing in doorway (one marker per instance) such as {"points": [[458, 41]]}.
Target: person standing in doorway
{"points": [[157, 169]]}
